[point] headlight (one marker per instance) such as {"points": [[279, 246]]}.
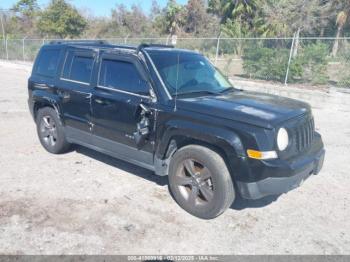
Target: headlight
{"points": [[282, 139]]}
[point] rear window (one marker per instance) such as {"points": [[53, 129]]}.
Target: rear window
{"points": [[47, 62], [78, 67]]}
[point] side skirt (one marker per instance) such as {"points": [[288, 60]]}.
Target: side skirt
{"points": [[111, 148]]}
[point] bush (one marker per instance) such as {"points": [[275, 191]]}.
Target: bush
{"points": [[314, 60], [345, 70], [270, 64], [344, 82]]}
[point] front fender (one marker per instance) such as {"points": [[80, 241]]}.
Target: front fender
{"points": [[226, 140]]}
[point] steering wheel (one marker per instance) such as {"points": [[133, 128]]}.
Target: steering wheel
{"points": [[192, 82]]}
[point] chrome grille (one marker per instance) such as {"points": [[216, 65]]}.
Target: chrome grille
{"points": [[304, 134]]}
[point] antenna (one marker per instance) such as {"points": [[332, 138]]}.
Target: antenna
{"points": [[177, 79]]}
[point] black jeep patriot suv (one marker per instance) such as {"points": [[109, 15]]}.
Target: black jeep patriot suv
{"points": [[171, 111]]}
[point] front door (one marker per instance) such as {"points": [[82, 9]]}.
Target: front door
{"points": [[75, 89], [116, 108]]}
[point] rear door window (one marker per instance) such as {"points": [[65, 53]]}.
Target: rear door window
{"points": [[78, 67], [48, 62]]}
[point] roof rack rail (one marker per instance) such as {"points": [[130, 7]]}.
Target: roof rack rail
{"points": [[95, 42], [141, 46], [124, 47]]}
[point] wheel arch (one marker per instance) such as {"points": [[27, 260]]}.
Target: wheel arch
{"points": [[224, 142], [43, 100]]}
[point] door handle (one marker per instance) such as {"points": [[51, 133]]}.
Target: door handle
{"points": [[101, 102], [43, 86]]}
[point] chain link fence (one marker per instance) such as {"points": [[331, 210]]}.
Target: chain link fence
{"points": [[310, 61]]}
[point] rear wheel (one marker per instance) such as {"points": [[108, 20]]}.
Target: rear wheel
{"points": [[50, 131], [200, 181]]}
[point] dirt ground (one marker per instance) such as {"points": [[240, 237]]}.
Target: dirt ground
{"points": [[86, 203]]}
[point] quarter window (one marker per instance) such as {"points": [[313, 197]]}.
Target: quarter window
{"points": [[48, 62], [78, 67], [123, 76]]}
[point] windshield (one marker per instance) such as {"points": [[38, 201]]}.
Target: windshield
{"points": [[188, 73]]}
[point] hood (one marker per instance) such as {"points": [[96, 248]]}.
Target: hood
{"points": [[254, 108]]}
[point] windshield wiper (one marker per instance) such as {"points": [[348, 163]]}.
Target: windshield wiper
{"points": [[227, 90]]}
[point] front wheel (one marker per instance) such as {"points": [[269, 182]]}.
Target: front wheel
{"points": [[200, 181]]}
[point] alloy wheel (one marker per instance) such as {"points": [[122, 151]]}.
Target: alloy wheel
{"points": [[48, 131], [194, 181]]}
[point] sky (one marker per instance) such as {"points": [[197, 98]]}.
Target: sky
{"points": [[98, 7]]}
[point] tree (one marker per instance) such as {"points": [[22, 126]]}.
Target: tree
{"points": [[158, 19], [26, 7], [155, 10], [26, 16], [98, 27], [61, 19], [343, 9], [297, 16], [174, 16], [8, 25], [3, 25], [236, 14], [130, 22], [239, 9], [198, 20], [269, 24], [234, 9], [215, 7]]}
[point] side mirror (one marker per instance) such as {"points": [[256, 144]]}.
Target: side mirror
{"points": [[147, 90], [152, 95], [145, 109]]}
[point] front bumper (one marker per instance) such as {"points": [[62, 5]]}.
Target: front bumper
{"points": [[279, 185]]}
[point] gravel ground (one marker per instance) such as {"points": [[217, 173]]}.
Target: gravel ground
{"points": [[86, 203]]}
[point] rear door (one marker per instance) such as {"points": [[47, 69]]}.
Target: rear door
{"points": [[75, 89], [121, 89]]}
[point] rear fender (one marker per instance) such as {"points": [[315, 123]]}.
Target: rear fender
{"points": [[44, 99]]}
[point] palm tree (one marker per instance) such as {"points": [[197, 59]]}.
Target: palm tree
{"points": [[236, 8], [342, 18], [174, 16], [241, 10]]}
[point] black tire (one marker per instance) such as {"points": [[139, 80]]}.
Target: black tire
{"points": [[210, 184], [50, 131]]}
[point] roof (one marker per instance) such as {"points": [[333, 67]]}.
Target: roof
{"points": [[106, 45], [90, 44]]}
